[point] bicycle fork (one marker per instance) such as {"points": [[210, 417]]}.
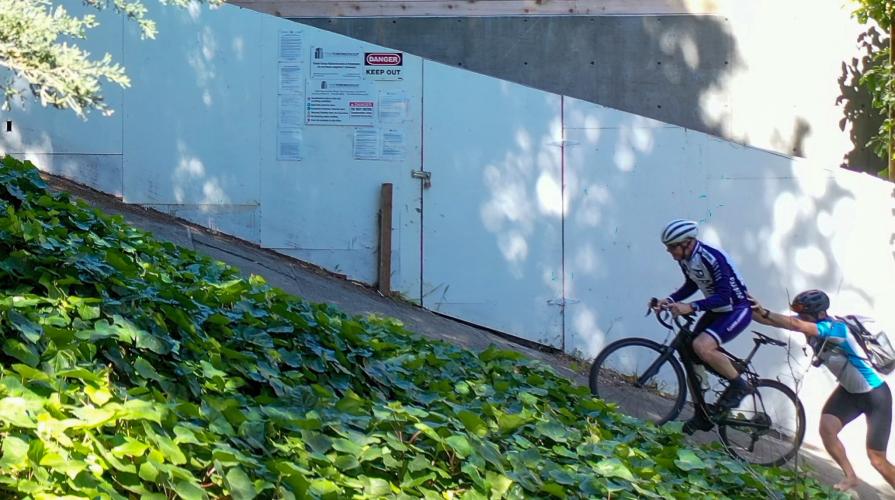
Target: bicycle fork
{"points": [[650, 372]]}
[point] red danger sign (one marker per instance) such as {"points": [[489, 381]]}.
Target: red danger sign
{"points": [[384, 58]]}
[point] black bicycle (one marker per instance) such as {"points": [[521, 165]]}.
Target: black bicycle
{"points": [[646, 381]]}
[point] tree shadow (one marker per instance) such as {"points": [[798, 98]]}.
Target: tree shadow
{"points": [[859, 117]]}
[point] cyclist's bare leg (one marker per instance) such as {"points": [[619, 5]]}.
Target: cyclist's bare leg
{"points": [[882, 465], [830, 426], [706, 347]]}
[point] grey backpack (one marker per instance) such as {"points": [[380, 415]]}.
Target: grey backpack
{"points": [[877, 348]]}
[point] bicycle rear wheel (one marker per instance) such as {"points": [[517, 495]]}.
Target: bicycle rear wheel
{"points": [[615, 374], [772, 428]]}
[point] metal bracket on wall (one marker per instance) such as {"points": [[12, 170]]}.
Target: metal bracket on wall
{"points": [[424, 175], [562, 302], [564, 143]]}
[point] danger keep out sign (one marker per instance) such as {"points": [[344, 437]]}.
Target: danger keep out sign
{"points": [[383, 65]]}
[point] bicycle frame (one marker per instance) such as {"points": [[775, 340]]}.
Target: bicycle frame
{"points": [[677, 344]]}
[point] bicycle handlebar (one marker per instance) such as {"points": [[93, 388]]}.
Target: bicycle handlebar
{"points": [[665, 316]]}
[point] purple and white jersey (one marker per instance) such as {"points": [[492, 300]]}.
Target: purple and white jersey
{"points": [[711, 271]]}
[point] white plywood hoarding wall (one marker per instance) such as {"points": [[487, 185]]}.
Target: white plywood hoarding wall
{"points": [[273, 132], [492, 233]]}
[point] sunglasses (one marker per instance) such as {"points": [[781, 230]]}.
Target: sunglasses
{"points": [[670, 248], [800, 309]]}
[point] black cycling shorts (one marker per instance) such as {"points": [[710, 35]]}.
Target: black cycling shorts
{"points": [[876, 404]]}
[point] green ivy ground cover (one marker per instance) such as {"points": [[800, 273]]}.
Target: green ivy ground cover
{"points": [[137, 369]]}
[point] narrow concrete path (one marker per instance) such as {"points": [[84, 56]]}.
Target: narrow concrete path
{"points": [[319, 286]]}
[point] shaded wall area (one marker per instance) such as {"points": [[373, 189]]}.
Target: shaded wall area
{"points": [[775, 80], [657, 66]]}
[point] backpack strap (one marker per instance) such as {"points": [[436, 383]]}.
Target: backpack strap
{"points": [[852, 322]]}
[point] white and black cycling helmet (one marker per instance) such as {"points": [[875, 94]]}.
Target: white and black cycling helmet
{"points": [[679, 230]]}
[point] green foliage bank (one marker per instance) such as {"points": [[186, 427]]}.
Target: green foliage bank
{"points": [[136, 369]]}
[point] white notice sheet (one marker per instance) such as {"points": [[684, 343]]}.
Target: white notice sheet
{"points": [[392, 106], [366, 143], [393, 145], [290, 45], [290, 113], [289, 145], [291, 78]]}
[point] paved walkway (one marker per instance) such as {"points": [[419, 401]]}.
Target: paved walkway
{"points": [[316, 285]]}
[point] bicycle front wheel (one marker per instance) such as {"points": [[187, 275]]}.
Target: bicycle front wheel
{"points": [[767, 427], [616, 376]]}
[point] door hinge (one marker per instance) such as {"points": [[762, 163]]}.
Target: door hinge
{"points": [[423, 175]]}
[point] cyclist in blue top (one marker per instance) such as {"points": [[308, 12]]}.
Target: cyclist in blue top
{"points": [[725, 307], [861, 388]]}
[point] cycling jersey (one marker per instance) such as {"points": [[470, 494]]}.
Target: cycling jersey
{"points": [[844, 357], [711, 271]]}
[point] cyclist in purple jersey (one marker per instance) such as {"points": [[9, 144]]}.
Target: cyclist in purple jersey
{"points": [[726, 308]]}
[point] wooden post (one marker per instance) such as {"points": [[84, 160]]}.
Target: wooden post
{"points": [[385, 240]]}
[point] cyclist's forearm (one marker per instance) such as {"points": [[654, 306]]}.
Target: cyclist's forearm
{"points": [[711, 302], [686, 290], [758, 318], [791, 323]]}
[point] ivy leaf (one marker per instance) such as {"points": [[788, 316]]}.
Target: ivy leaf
{"points": [[66, 465], [687, 460], [142, 367], [99, 396], [460, 445], [148, 471], [28, 329], [612, 467], [91, 417], [29, 373], [510, 422], [323, 487], [189, 490], [21, 351], [14, 411], [347, 446], [241, 487], [130, 448], [473, 423], [375, 487], [15, 454]]}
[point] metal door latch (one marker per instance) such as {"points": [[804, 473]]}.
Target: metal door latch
{"points": [[424, 175]]}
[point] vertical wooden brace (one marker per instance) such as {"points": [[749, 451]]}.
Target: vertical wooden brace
{"points": [[385, 240]]}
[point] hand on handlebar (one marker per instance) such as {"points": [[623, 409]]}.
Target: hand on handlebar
{"points": [[657, 305], [680, 309]]}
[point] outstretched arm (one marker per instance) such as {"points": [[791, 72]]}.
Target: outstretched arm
{"points": [[762, 315]]}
